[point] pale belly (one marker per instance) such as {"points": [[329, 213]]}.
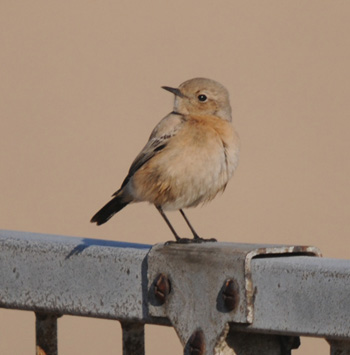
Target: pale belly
{"points": [[184, 178]]}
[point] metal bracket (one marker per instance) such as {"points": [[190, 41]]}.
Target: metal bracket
{"points": [[202, 287]]}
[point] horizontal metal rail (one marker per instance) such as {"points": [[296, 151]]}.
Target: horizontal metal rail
{"points": [[76, 276], [302, 295], [283, 291]]}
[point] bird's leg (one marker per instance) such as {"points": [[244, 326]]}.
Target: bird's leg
{"points": [[196, 237], [178, 239], [168, 222]]}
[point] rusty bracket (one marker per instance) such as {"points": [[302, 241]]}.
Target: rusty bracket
{"points": [[202, 287]]}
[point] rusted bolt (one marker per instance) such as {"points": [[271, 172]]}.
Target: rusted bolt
{"points": [[196, 344], [230, 294], [161, 288]]}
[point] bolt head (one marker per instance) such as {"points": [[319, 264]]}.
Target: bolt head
{"points": [[162, 288], [196, 343], [230, 294]]}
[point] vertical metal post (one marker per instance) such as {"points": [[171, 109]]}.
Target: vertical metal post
{"points": [[339, 347], [133, 338], [46, 334], [241, 343]]}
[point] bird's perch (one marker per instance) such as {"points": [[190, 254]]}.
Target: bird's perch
{"points": [[215, 295]]}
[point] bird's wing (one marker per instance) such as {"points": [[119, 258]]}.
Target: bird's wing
{"points": [[159, 138]]}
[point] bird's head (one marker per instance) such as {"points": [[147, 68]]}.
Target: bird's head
{"points": [[201, 96]]}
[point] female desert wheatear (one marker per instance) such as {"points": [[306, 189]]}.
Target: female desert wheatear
{"points": [[189, 157]]}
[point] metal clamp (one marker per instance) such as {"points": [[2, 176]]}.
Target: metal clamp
{"points": [[202, 287]]}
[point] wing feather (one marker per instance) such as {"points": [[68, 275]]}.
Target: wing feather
{"points": [[167, 128]]}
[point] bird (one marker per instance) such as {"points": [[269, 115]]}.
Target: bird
{"points": [[189, 158]]}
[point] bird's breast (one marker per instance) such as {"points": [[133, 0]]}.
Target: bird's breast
{"points": [[194, 166]]}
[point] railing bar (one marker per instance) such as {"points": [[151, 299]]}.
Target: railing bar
{"points": [[339, 347], [133, 338], [46, 334]]}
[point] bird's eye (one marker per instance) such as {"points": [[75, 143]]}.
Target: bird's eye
{"points": [[202, 98]]}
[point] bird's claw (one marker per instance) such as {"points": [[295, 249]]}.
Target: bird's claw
{"points": [[196, 240], [203, 240]]}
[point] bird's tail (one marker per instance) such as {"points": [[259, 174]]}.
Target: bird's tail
{"points": [[109, 209]]}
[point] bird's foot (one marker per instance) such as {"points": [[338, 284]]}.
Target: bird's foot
{"points": [[180, 241], [196, 240], [203, 240]]}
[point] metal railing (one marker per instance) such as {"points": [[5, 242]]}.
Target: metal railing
{"points": [[221, 298]]}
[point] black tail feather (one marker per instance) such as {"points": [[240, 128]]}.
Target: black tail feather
{"points": [[108, 210]]}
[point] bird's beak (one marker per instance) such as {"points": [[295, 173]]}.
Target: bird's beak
{"points": [[175, 91]]}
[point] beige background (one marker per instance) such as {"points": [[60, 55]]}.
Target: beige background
{"points": [[80, 92]]}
